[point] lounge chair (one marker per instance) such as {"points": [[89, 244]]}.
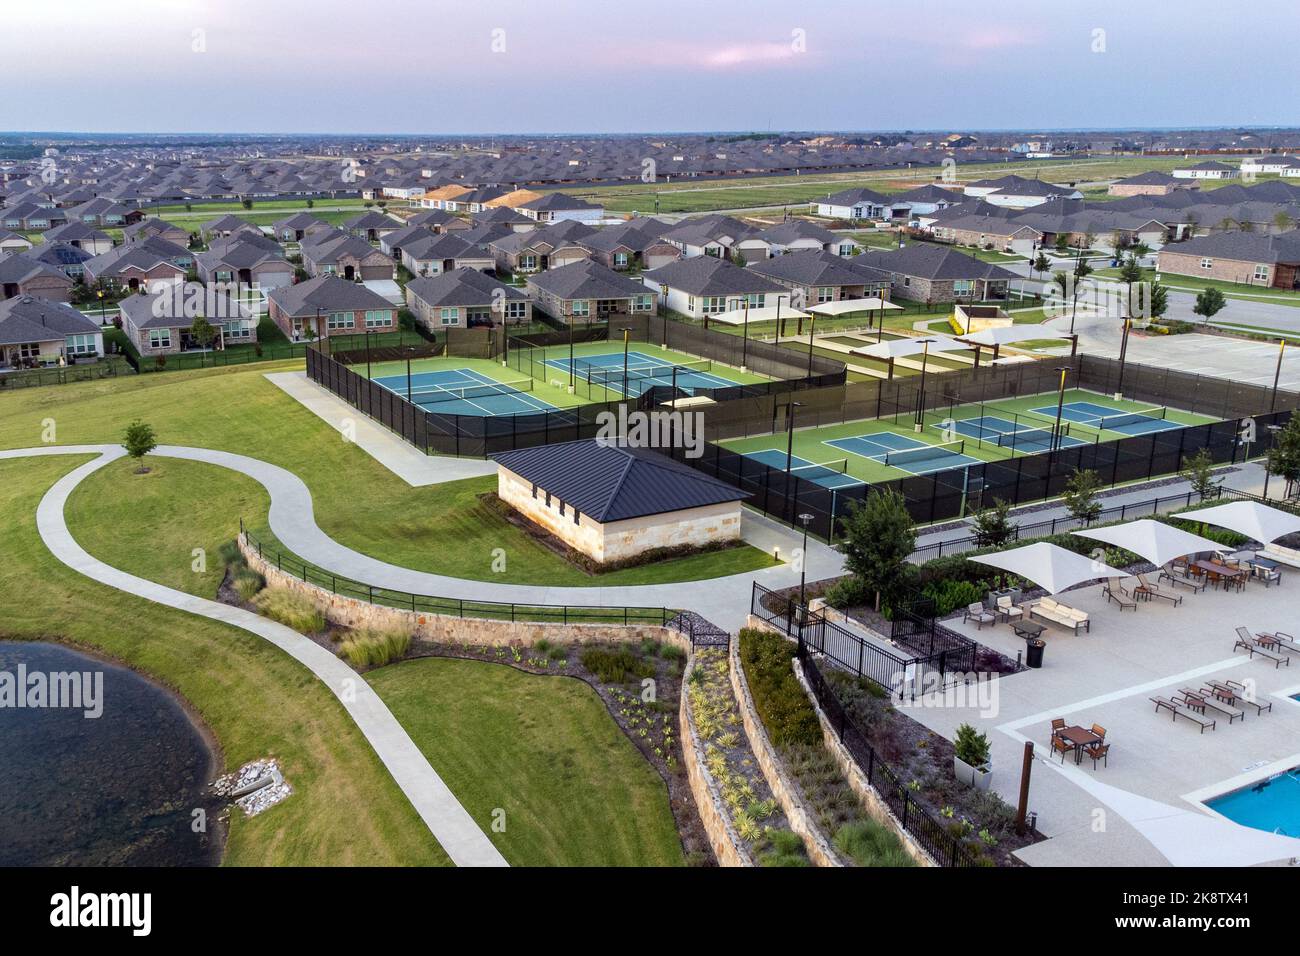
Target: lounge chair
{"points": [[1208, 699], [1098, 752], [1280, 639], [1007, 609], [1181, 579], [1154, 591], [1242, 698], [975, 612], [1180, 710], [1248, 643], [1121, 599], [1282, 555]]}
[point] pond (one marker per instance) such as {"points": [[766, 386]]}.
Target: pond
{"points": [[101, 767]]}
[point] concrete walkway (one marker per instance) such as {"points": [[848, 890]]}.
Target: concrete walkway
{"points": [[449, 822]]}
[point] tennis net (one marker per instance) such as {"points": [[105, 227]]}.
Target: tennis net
{"points": [[450, 393], [909, 456], [821, 470], [1121, 419], [1027, 437]]}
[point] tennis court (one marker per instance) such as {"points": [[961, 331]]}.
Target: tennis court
{"points": [[1011, 435], [464, 391], [1138, 422], [644, 372], [831, 474], [906, 454]]}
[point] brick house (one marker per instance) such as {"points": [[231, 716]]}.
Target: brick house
{"points": [[24, 276], [541, 249], [817, 276], [466, 297], [923, 272], [159, 322], [328, 305], [1250, 258], [1151, 183], [586, 291], [36, 331], [337, 253]]}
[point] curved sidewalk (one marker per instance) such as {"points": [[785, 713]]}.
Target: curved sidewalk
{"points": [[449, 822]]}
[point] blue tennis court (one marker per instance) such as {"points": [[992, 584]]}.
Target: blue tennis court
{"points": [[828, 475], [643, 372], [1140, 422], [463, 391], [906, 454], [1007, 434]]}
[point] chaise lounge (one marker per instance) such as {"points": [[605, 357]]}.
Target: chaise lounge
{"points": [[1252, 646], [1178, 709]]}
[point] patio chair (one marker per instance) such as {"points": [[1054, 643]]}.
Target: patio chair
{"points": [[1061, 746], [1120, 598], [1177, 710], [1008, 610], [975, 612], [1155, 591], [1242, 698], [1058, 724], [1269, 576], [1246, 642], [1181, 579], [1098, 752], [1209, 699], [1099, 730]]}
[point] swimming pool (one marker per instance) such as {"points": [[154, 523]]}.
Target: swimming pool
{"points": [[1272, 804]]}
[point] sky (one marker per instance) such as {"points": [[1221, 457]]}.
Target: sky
{"points": [[554, 66]]}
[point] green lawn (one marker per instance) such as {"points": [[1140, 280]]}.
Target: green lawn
{"points": [[1233, 290], [439, 528], [258, 702], [573, 788]]}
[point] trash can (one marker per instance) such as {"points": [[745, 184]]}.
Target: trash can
{"points": [[1034, 652]]}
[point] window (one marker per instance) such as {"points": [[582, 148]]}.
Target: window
{"points": [[963, 287], [713, 303], [642, 303], [449, 316], [907, 281], [757, 299], [846, 249], [576, 515], [561, 509], [328, 270], [582, 307], [516, 310], [620, 260], [825, 294], [225, 275], [378, 318], [527, 263], [81, 345], [239, 329], [340, 320], [160, 338], [29, 350], [1261, 272], [1207, 263]]}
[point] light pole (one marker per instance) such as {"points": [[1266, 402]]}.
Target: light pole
{"points": [[573, 382], [99, 293], [789, 438], [920, 387], [1123, 351], [812, 331], [1277, 375], [627, 331], [1060, 406], [744, 338], [368, 352], [804, 519]]}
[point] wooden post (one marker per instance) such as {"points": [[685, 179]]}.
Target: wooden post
{"points": [[1023, 808]]}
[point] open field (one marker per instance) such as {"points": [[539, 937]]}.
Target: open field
{"points": [[573, 788], [865, 462], [441, 528], [256, 700]]}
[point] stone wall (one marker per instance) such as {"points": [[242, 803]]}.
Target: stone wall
{"points": [[727, 846], [802, 819], [355, 613]]}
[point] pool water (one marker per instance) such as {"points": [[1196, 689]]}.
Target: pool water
{"points": [[1272, 805]]}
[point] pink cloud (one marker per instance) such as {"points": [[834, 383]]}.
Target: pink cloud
{"points": [[999, 38], [745, 54]]}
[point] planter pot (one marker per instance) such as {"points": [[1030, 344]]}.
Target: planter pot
{"points": [[977, 777]]}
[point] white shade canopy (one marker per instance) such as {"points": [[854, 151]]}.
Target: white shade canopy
{"points": [[1008, 334], [869, 304], [1256, 521], [766, 314], [901, 348], [1154, 540], [1050, 566]]}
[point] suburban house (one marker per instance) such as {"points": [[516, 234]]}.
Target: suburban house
{"points": [[634, 244], [922, 272], [441, 197], [434, 254], [11, 242], [613, 502], [505, 217], [1276, 164], [587, 291], [35, 332], [31, 217], [1250, 258], [156, 227], [466, 297], [718, 236], [541, 249], [1018, 192], [1151, 183], [24, 276], [142, 264], [81, 236], [556, 207], [69, 260], [1207, 170], [159, 322], [800, 235], [474, 200], [437, 220], [326, 306], [1094, 227], [922, 200], [392, 243], [853, 204], [103, 212], [988, 232], [371, 226], [246, 259], [337, 253], [223, 227], [816, 276], [296, 227], [705, 286]]}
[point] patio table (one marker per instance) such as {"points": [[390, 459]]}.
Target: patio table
{"points": [[1080, 737], [1222, 571], [1027, 629]]}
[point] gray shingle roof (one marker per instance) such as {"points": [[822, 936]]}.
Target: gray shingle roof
{"points": [[462, 287], [1243, 246], [327, 293], [816, 268], [586, 280], [707, 275], [29, 319], [614, 483], [930, 261]]}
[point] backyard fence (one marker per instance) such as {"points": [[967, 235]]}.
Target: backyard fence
{"points": [[106, 367]]}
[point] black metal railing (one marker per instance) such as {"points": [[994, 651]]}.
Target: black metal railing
{"points": [[453, 607]]}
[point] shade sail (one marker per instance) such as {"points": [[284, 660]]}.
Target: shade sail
{"points": [[766, 314], [1256, 521], [901, 348], [1050, 566], [1154, 540], [843, 306], [1008, 334]]}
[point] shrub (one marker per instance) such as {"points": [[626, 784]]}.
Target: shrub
{"points": [[230, 554], [948, 596], [782, 705], [248, 583], [291, 609], [971, 746], [375, 648], [848, 591], [867, 843], [783, 848], [615, 666]]}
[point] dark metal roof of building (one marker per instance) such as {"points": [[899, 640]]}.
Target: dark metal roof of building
{"points": [[610, 482]]}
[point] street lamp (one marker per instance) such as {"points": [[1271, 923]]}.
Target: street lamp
{"points": [[1060, 405], [920, 388], [789, 439], [627, 332], [1277, 375], [1123, 351], [812, 331], [744, 338], [99, 294], [804, 519]]}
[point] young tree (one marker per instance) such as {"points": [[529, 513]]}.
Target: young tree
{"points": [[139, 440], [203, 332], [1198, 471], [1080, 495], [1284, 457], [1159, 300], [993, 526], [1041, 263], [1140, 251], [246, 203], [1283, 222], [1209, 302], [1062, 242], [878, 538], [311, 204]]}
